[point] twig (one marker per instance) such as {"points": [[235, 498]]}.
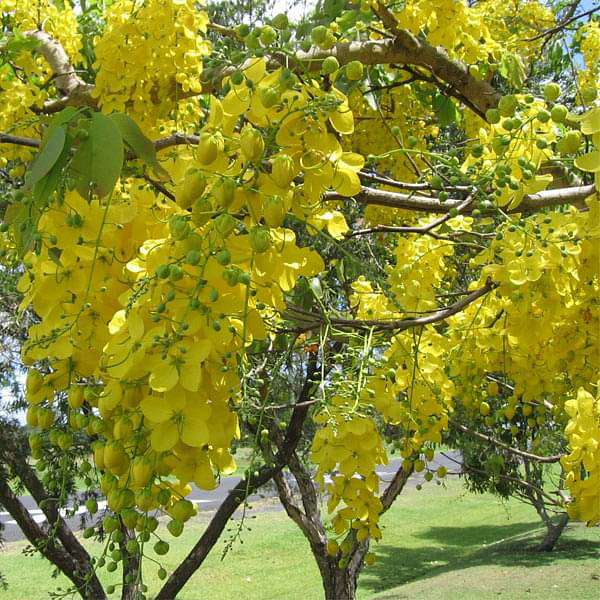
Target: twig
{"points": [[499, 444], [562, 24], [424, 229], [395, 325], [6, 138]]}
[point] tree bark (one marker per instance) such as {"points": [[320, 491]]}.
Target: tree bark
{"points": [[83, 579], [339, 584], [58, 544], [553, 532]]}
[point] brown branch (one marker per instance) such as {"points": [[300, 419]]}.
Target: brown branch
{"points": [[44, 544], [404, 185], [403, 49], [567, 21], [395, 487], [224, 31], [486, 438], [423, 230], [478, 94], [14, 455], [6, 138], [176, 139], [531, 202], [522, 482], [73, 90], [395, 325]]}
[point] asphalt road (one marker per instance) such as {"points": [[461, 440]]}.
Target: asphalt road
{"points": [[206, 501]]}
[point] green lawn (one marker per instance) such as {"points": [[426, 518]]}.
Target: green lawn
{"points": [[438, 543]]}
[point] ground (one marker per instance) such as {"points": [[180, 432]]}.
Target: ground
{"points": [[438, 543]]}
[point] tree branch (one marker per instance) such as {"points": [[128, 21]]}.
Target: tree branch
{"points": [[73, 90], [531, 202], [423, 230], [527, 455], [564, 23], [14, 455], [315, 320], [44, 544], [6, 138], [479, 95], [403, 49]]}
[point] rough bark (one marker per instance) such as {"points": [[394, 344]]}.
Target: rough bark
{"points": [[532, 202], [86, 583], [534, 494], [553, 532], [69, 556], [404, 49], [339, 584], [72, 89]]}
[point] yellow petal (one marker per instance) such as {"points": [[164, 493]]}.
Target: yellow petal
{"points": [[194, 432], [164, 436], [589, 162], [156, 408], [164, 377]]}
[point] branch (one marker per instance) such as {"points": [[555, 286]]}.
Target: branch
{"points": [[15, 456], [403, 49], [6, 138], [394, 325], [478, 94], [499, 444], [531, 202], [567, 21], [518, 481], [176, 139], [46, 546], [224, 31], [395, 487], [73, 90], [424, 229], [403, 185]]}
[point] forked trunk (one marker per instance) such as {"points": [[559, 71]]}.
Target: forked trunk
{"points": [[338, 584], [553, 532]]}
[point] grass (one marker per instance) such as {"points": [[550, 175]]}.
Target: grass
{"points": [[438, 543]]}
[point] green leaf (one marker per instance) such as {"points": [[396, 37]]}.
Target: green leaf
{"points": [[66, 115], [315, 286], [512, 69], [137, 141], [13, 44], [48, 155], [24, 225], [445, 110], [45, 187], [99, 160]]}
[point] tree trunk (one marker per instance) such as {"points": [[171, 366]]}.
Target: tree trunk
{"points": [[339, 584], [553, 532]]}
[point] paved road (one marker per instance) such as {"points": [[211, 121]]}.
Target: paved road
{"points": [[205, 500]]}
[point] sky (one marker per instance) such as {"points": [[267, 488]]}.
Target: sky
{"points": [[294, 12]]}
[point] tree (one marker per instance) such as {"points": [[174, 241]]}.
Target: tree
{"points": [[325, 233], [512, 469]]}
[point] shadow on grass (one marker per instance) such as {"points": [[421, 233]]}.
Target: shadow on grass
{"points": [[456, 548]]}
